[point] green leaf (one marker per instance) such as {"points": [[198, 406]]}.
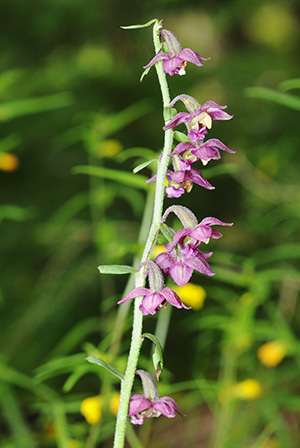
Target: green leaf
{"points": [[157, 355], [134, 27], [143, 165], [14, 213], [14, 109], [122, 177], [290, 84], [116, 269], [100, 362], [58, 366], [108, 125], [284, 99], [136, 152], [75, 377], [181, 137], [13, 414], [169, 113]]}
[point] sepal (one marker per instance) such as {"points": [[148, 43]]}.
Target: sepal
{"points": [[149, 386]]}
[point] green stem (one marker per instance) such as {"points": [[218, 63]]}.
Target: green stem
{"points": [[136, 341]]}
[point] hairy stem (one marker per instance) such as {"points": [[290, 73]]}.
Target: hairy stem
{"points": [[136, 340]]}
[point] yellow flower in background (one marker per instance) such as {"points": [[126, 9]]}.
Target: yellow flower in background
{"points": [[249, 389], [272, 353], [8, 161], [91, 409], [192, 295], [108, 148], [158, 250], [114, 403]]}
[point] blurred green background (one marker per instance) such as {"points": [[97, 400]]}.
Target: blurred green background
{"points": [[70, 95]]}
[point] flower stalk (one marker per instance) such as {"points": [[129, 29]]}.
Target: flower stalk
{"points": [[136, 341]]}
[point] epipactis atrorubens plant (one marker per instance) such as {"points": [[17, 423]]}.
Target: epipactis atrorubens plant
{"points": [[182, 253]]}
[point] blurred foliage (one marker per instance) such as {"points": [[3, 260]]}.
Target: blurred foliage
{"points": [[71, 105]]}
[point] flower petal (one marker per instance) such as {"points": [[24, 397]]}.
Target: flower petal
{"points": [[181, 272], [191, 56], [173, 298], [197, 177], [182, 147], [150, 303], [138, 403], [158, 57], [179, 118], [199, 264], [166, 406], [140, 291]]}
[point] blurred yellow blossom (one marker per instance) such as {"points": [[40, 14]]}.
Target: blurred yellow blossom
{"points": [[108, 148], [114, 403], [192, 295], [8, 161], [91, 409], [157, 250], [272, 353], [249, 389]]}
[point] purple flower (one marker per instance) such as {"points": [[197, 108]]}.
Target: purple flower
{"points": [[154, 300], [204, 151], [140, 408], [155, 297], [201, 233], [183, 256], [175, 61], [180, 263], [181, 181], [149, 404], [199, 118]]}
